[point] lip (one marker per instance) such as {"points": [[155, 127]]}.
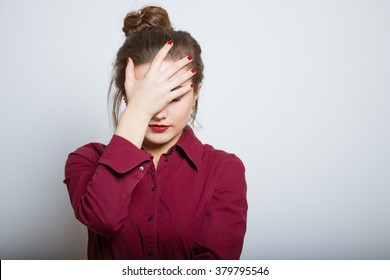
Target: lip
{"points": [[158, 127]]}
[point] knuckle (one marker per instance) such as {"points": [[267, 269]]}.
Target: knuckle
{"points": [[185, 77], [176, 67]]}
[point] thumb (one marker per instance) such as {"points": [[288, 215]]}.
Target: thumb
{"points": [[129, 74]]}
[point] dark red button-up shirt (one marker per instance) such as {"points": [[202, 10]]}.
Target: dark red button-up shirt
{"points": [[192, 207]]}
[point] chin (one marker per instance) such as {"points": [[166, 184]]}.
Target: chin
{"points": [[159, 139]]}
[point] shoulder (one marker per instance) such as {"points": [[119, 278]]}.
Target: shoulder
{"points": [[205, 155], [89, 152], [224, 171], [220, 158], [83, 160]]}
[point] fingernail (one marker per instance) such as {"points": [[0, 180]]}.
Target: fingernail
{"points": [[193, 70], [170, 42], [192, 85], [189, 57], [128, 59]]}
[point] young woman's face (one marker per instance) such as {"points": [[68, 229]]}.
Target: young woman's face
{"points": [[167, 125]]}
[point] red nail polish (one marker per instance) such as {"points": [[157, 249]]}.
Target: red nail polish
{"points": [[189, 57], [193, 70], [170, 42], [192, 85]]}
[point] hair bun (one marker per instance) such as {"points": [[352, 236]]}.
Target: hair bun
{"points": [[150, 16]]}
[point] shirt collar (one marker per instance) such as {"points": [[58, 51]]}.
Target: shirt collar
{"points": [[191, 146]]}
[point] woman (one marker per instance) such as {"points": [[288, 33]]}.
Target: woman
{"points": [[155, 191]]}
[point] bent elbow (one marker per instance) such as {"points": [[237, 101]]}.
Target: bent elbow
{"points": [[106, 226]]}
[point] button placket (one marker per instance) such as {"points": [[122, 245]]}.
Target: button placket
{"points": [[149, 225]]}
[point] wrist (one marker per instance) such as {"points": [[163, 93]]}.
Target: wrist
{"points": [[132, 125], [136, 114]]}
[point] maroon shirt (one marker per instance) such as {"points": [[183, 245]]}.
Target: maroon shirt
{"points": [[192, 207]]}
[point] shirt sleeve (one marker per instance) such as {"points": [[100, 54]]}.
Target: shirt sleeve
{"points": [[224, 225], [100, 184]]}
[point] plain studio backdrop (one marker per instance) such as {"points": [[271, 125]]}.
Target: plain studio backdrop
{"points": [[299, 90]]}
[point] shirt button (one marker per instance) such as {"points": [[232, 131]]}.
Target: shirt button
{"points": [[141, 168], [150, 253], [150, 218], [165, 158], [154, 189]]}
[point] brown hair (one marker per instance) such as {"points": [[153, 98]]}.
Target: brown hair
{"points": [[147, 30]]}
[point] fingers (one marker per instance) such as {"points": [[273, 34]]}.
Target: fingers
{"points": [[160, 56], [175, 67], [155, 66], [129, 74], [181, 91], [181, 79]]}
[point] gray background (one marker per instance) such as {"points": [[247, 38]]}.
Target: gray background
{"points": [[299, 90]]}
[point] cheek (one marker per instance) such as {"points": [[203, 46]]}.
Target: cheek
{"points": [[181, 110]]}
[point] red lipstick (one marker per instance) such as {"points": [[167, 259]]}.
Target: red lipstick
{"points": [[158, 127]]}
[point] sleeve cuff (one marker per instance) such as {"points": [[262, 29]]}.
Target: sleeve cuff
{"points": [[122, 156]]}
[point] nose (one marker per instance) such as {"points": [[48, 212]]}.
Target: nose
{"points": [[162, 115]]}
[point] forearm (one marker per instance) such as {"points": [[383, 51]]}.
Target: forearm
{"points": [[102, 202], [100, 185], [132, 126]]}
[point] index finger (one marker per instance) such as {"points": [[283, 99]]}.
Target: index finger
{"points": [[160, 56]]}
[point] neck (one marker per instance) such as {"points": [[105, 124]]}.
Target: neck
{"points": [[158, 149], [156, 153]]}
